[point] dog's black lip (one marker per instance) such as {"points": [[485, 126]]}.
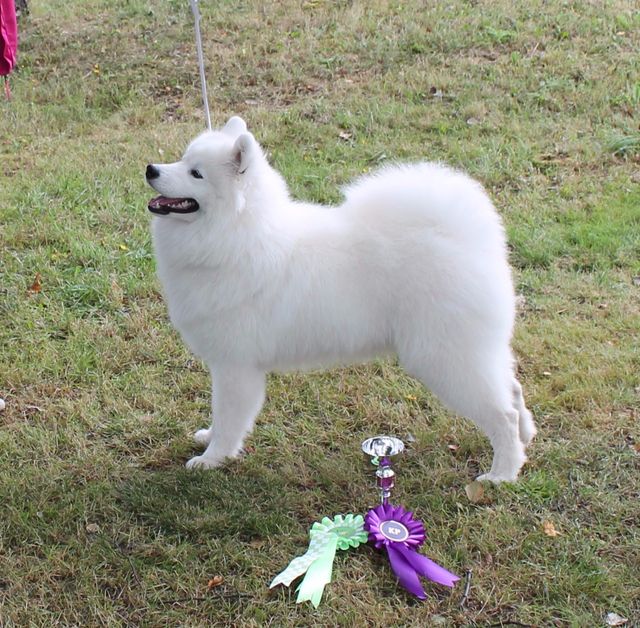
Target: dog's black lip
{"points": [[163, 206]]}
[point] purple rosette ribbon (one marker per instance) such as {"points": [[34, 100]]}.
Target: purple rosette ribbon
{"points": [[395, 529]]}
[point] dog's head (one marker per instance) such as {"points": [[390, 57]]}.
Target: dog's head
{"points": [[209, 174]]}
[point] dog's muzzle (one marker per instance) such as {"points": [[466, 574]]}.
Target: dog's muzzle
{"points": [[163, 205]]}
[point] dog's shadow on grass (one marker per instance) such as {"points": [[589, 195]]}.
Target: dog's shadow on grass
{"points": [[225, 502]]}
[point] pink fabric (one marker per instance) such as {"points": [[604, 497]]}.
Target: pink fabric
{"points": [[8, 36]]}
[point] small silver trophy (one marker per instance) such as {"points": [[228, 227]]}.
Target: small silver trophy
{"points": [[381, 448]]}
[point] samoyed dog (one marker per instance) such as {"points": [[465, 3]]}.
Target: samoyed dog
{"points": [[413, 263]]}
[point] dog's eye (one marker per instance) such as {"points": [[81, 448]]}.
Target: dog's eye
{"points": [[195, 174]]}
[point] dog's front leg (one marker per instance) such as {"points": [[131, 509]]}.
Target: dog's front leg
{"points": [[237, 397]]}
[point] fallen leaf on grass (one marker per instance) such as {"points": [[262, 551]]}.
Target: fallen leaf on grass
{"points": [[36, 286], [475, 492], [613, 619], [549, 529], [214, 582], [453, 447]]}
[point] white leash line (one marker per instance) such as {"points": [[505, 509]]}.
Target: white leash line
{"points": [[203, 80]]}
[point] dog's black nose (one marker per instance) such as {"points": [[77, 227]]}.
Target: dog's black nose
{"points": [[152, 172]]}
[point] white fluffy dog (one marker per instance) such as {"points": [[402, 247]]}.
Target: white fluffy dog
{"points": [[414, 262]]}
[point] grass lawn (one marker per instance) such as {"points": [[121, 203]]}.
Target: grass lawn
{"points": [[101, 525]]}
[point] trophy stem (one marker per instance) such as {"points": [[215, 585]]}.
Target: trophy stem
{"points": [[381, 448], [385, 479]]}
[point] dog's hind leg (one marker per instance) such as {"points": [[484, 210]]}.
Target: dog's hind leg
{"points": [[501, 427], [526, 426], [481, 390], [237, 398]]}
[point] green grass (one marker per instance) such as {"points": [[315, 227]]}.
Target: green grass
{"points": [[101, 524]]}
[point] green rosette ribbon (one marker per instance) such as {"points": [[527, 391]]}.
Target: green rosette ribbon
{"points": [[327, 536]]}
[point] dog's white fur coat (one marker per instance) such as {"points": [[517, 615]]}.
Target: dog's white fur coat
{"points": [[414, 262]]}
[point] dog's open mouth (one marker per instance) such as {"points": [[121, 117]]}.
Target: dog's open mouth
{"points": [[163, 205]]}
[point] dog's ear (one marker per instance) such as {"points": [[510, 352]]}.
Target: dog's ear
{"points": [[235, 126], [243, 152]]}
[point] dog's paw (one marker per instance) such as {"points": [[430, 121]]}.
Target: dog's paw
{"points": [[202, 462], [495, 478], [203, 437]]}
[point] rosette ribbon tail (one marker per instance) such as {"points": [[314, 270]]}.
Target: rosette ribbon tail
{"points": [[407, 564], [405, 572], [428, 568], [318, 575], [298, 565]]}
